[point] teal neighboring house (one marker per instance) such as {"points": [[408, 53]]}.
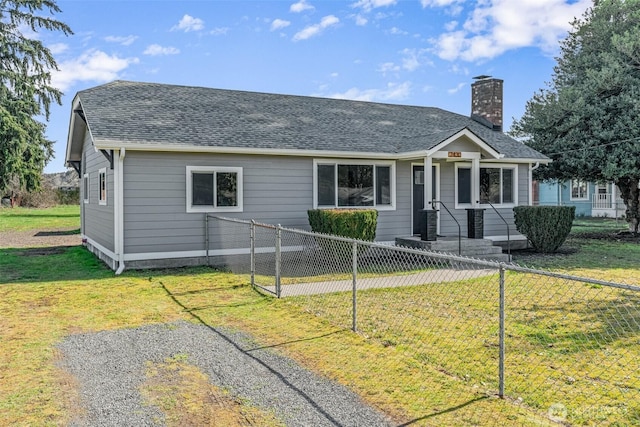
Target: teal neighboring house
{"points": [[590, 198]]}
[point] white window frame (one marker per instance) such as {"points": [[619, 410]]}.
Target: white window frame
{"points": [[501, 166], [586, 190], [102, 177], [214, 170], [85, 188], [392, 184]]}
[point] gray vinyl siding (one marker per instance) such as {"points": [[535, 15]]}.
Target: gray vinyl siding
{"points": [[277, 190], [97, 220]]}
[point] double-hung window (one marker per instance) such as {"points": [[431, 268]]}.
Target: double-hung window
{"points": [[85, 187], [354, 184], [102, 186], [579, 190], [214, 189], [498, 185]]}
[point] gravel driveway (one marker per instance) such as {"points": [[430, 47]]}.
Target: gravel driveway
{"points": [[110, 367]]}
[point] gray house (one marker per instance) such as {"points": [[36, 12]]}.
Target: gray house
{"points": [[155, 158]]}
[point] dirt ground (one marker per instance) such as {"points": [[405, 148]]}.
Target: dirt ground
{"points": [[34, 238]]}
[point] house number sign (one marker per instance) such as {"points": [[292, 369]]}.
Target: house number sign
{"points": [[454, 154]]}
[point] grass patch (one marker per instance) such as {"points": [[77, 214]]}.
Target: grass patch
{"points": [[57, 217], [186, 397]]}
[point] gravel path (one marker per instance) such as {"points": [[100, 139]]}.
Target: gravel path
{"points": [[110, 366]]}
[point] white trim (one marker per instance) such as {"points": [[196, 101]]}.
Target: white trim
{"points": [[476, 188], [473, 137], [118, 211], [213, 169], [101, 248], [86, 188], [106, 144], [374, 163], [102, 171], [202, 253]]}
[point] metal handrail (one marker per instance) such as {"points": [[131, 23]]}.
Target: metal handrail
{"points": [[505, 223], [454, 218]]}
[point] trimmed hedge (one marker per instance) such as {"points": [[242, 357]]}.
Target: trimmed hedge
{"points": [[546, 227], [358, 224]]}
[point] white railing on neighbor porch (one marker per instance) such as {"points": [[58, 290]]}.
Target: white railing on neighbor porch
{"points": [[606, 201]]}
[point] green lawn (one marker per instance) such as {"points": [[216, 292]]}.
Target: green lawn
{"points": [[434, 364], [56, 218]]}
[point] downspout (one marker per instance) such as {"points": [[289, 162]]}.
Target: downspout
{"points": [[531, 169], [120, 212]]}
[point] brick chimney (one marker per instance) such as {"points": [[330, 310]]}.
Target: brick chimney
{"points": [[486, 101]]}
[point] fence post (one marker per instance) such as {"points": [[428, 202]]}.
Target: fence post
{"points": [[206, 237], [252, 252], [355, 282], [278, 258], [501, 344]]}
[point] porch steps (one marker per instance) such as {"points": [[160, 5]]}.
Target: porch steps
{"points": [[473, 248]]}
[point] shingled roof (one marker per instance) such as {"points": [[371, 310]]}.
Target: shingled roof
{"points": [[160, 114]]}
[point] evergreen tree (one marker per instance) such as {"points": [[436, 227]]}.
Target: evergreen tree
{"points": [[588, 118], [25, 90]]}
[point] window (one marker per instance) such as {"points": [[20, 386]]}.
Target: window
{"points": [[214, 189], [578, 190], [497, 185], [354, 184], [85, 187], [102, 186]]}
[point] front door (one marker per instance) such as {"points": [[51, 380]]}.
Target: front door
{"points": [[418, 192]]}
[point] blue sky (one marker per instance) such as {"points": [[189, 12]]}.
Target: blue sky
{"points": [[415, 52]]}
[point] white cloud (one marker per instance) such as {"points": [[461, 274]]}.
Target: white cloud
{"points": [[156, 50], [314, 30], [189, 23], [58, 48], [456, 89], [301, 6], [437, 3], [388, 67], [410, 62], [92, 66], [220, 31], [123, 40], [497, 26], [277, 24], [450, 26], [368, 5], [361, 21], [397, 31], [393, 92]]}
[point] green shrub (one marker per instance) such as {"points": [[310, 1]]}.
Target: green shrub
{"points": [[546, 227], [353, 223]]}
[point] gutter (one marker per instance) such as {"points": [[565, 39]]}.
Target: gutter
{"points": [[119, 212]]}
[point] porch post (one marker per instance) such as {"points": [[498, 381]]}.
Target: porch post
{"points": [[428, 193], [475, 182]]}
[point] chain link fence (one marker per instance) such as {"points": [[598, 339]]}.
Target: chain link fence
{"points": [[455, 329]]}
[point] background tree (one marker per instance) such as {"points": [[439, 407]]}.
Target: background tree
{"points": [[588, 118], [25, 90]]}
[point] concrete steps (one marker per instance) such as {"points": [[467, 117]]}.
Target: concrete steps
{"points": [[473, 248]]}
